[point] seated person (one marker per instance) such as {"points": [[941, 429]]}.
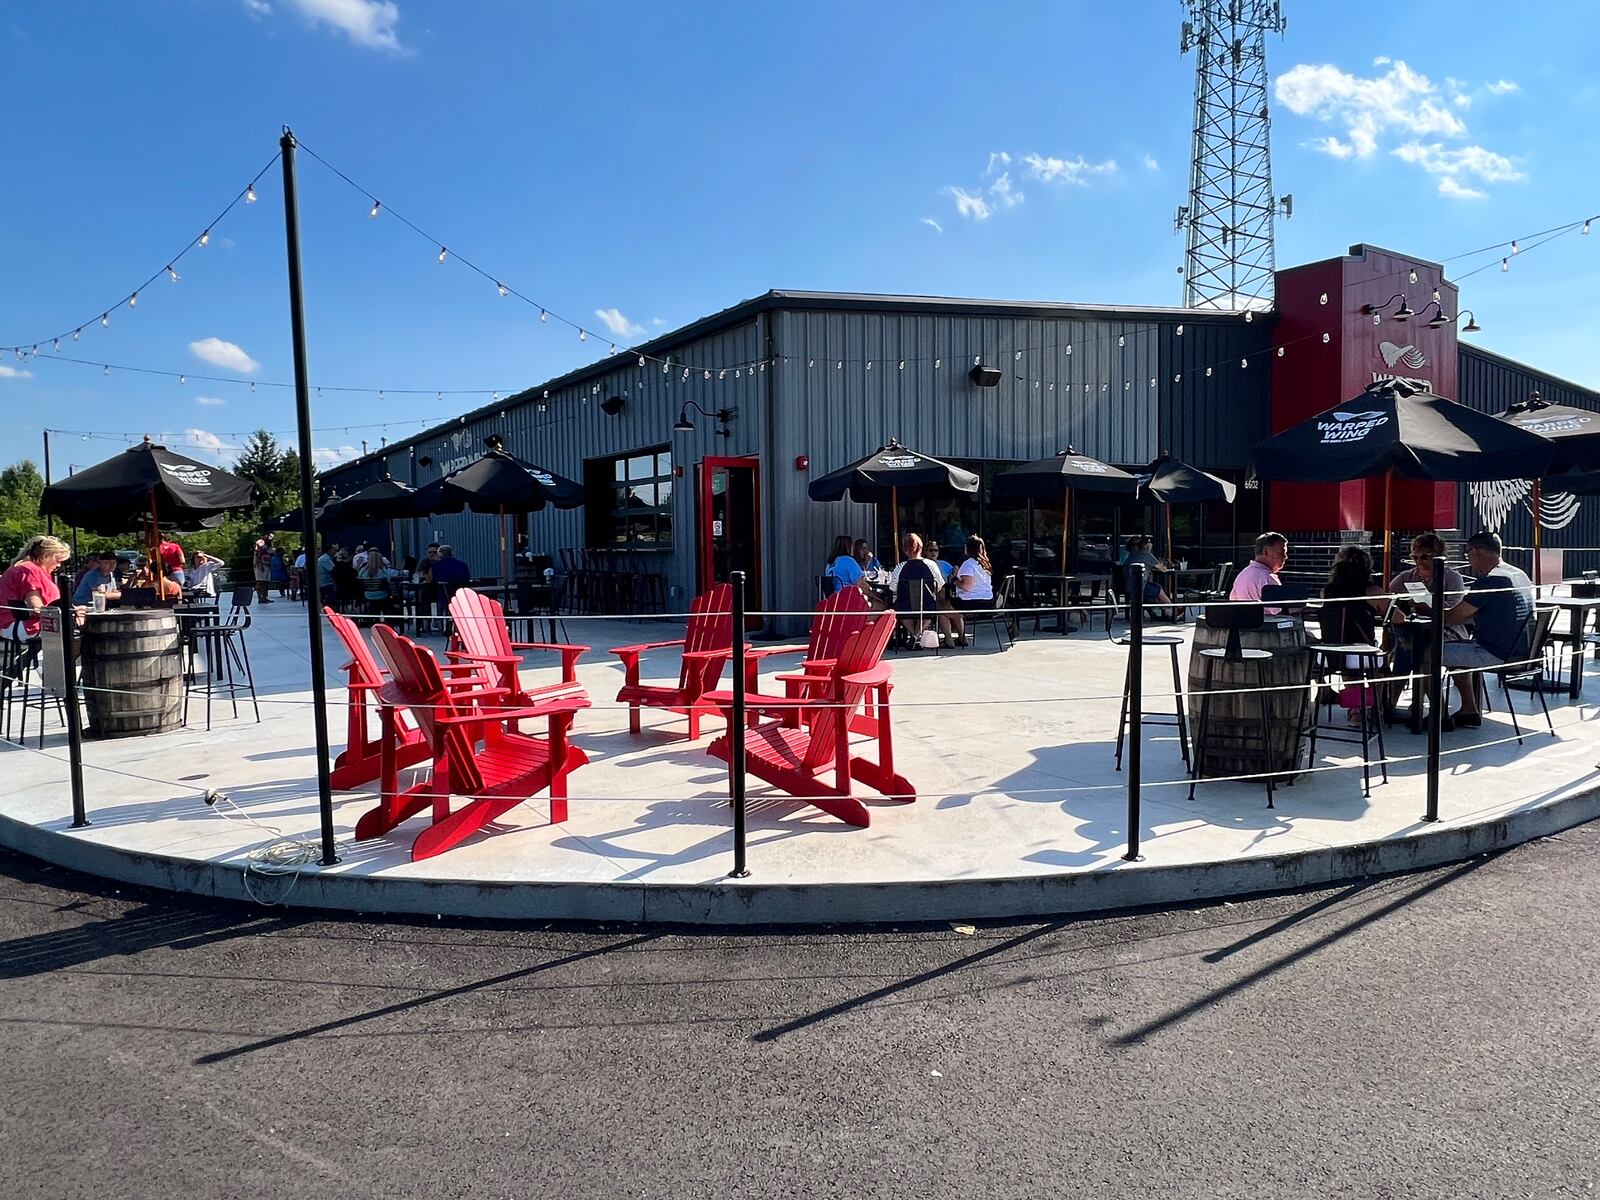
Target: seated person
{"points": [[102, 572], [1142, 555], [1272, 552], [145, 577], [1347, 614], [930, 551], [203, 572], [844, 568], [1500, 606], [867, 560], [917, 584], [1426, 547]]}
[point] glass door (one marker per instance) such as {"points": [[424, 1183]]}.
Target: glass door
{"points": [[730, 524]]}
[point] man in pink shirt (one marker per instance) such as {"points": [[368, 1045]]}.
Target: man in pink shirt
{"points": [[1272, 551]]}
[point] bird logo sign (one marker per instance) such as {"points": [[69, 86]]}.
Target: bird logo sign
{"points": [[1409, 355], [188, 475], [1347, 427]]}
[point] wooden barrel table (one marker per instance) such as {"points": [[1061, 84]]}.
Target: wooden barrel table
{"points": [[1233, 723], [132, 672]]}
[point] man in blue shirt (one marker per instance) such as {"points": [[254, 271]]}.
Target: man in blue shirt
{"points": [[449, 571], [1499, 604], [102, 572]]}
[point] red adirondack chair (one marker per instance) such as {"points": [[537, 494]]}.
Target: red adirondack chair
{"points": [[475, 753], [796, 758], [837, 617], [360, 761], [480, 626], [707, 646]]}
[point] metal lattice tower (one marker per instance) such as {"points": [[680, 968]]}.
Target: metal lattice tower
{"points": [[1228, 262]]}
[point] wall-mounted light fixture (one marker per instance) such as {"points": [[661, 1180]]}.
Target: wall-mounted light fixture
{"points": [[1439, 319], [1472, 325], [984, 377], [722, 416], [1403, 313], [612, 405]]}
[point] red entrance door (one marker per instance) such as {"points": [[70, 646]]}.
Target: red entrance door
{"points": [[730, 523]]}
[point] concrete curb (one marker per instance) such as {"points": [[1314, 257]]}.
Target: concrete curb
{"points": [[1123, 885]]}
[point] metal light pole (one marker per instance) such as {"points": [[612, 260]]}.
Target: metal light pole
{"points": [[49, 520], [1135, 707], [302, 404]]}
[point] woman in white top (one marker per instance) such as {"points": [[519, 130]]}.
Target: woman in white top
{"points": [[974, 587]]}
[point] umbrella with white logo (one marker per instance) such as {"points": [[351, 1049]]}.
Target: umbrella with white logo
{"points": [[498, 483], [1057, 477], [1575, 433], [1173, 481], [1396, 429], [890, 473], [146, 487]]}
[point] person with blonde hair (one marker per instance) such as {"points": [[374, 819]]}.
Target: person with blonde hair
{"points": [[29, 584]]}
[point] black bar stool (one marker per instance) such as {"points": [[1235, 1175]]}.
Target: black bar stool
{"points": [[1364, 664], [1233, 619], [227, 658], [1171, 641]]}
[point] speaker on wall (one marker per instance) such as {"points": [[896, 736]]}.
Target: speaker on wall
{"points": [[612, 405], [984, 376]]}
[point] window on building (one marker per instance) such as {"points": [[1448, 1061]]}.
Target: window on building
{"points": [[629, 502]]}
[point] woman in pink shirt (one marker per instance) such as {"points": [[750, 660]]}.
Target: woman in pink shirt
{"points": [[28, 585]]}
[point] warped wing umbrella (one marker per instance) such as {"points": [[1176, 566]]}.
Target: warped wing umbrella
{"points": [[147, 485], [498, 483], [1575, 435], [1394, 428], [889, 472], [1173, 481], [1057, 477]]}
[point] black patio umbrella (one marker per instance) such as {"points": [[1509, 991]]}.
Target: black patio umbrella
{"points": [[1057, 477], [1394, 428], [1575, 436], [889, 472], [1173, 481], [145, 487], [498, 483]]}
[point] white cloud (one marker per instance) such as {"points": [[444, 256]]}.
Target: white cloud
{"points": [[223, 354], [203, 439], [997, 158], [327, 456], [1150, 163], [1365, 109], [933, 225], [1078, 171], [1457, 165], [369, 23], [1332, 146], [969, 205], [657, 322], [1461, 100], [1003, 192], [258, 8], [1449, 187], [210, 401], [1383, 60], [617, 323], [1503, 87], [14, 373]]}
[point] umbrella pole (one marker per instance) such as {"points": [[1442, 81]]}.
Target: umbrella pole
{"points": [[894, 519], [1388, 540], [1167, 517], [1066, 525], [155, 545], [1538, 536], [505, 557]]}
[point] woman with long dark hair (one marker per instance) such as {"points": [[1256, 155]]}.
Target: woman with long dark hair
{"points": [[1347, 615], [841, 570]]}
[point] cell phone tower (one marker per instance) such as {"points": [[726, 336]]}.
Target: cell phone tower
{"points": [[1228, 261]]}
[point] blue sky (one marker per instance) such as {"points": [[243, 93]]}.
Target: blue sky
{"points": [[660, 161]]}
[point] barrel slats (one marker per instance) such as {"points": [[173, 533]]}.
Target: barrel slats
{"points": [[132, 673]]}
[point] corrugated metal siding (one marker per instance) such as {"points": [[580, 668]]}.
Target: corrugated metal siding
{"points": [[1492, 384]]}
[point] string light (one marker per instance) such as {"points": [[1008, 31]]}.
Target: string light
{"points": [[1121, 341], [1413, 275], [442, 253], [1505, 264], [1585, 230], [205, 237], [372, 213], [77, 333], [249, 193], [133, 300], [1325, 339], [182, 379], [107, 370], [58, 345], [105, 320], [1515, 249], [1180, 330], [544, 317], [1244, 364], [173, 275], [1323, 299], [502, 289], [583, 335]]}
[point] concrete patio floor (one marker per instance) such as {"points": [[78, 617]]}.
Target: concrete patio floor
{"points": [[1019, 808]]}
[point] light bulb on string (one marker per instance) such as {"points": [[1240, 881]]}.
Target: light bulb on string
{"points": [[105, 320], [58, 345], [1178, 378], [205, 237], [133, 300], [1325, 339], [1017, 357], [249, 193], [1280, 351], [1505, 264], [1249, 316], [869, 364], [1208, 372], [1377, 318], [641, 360], [372, 213], [1515, 249], [1323, 299], [1069, 349], [502, 289], [106, 370], [544, 317], [496, 399], [1413, 275], [1436, 295], [613, 347], [583, 335], [1121, 341], [708, 375], [1244, 364], [77, 333], [902, 364], [1152, 381], [442, 253], [172, 275], [182, 379], [1585, 230], [252, 385], [721, 375], [1180, 331], [936, 363]]}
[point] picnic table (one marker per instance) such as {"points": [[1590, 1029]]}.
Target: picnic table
{"points": [[1068, 590]]}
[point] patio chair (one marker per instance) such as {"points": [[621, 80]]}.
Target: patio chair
{"points": [[999, 618], [475, 752], [480, 626], [361, 759], [707, 645], [1530, 673], [795, 759]]}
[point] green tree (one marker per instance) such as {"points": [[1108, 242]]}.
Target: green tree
{"points": [[21, 486], [274, 470]]}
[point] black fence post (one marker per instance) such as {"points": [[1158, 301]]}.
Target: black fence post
{"points": [[70, 713], [736, 730], [1436, 687], [1135, 704]]}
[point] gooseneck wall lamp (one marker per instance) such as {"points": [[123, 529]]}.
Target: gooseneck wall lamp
{"points": [[721, 416], [1403, 313]]}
